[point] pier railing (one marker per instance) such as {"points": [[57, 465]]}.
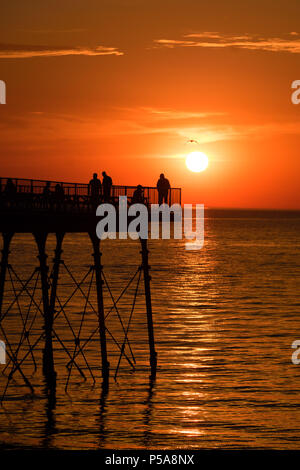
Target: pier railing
{"points": [[31, 193]]}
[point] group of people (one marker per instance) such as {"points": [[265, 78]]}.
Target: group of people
{"points": [[98, 189], [163, 188], [58, 196]]}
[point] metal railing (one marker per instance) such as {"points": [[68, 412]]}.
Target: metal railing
{"points": [[31, 193]]}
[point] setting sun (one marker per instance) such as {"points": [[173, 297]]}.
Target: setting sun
{"points": [[196, 161]]}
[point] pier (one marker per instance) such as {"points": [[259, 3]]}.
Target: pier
{"points": [[26, 208]]}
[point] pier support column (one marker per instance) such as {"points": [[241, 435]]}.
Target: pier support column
{"points": [[55, 274], [4, 262], [101, 317], [147, 278], [48, 361]]}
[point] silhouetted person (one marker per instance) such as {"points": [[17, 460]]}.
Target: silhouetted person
{"points": [[107, 184], [163, 186], [46, 195], [138, 196], [47, 190], [59, 195], [95, 188], [59, 192], [10, 191]]}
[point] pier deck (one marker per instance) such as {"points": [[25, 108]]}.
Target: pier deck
{"points": [[28, 210]]}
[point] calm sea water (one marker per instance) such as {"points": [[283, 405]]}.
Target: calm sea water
{"points": [[225, 318]]}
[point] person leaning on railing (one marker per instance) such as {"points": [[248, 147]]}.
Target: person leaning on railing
{"points": [[138, 195]]}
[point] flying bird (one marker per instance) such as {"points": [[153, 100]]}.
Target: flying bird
{"points": [[192, 141]]}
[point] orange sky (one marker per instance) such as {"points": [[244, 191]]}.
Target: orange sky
{"points": [[121, 85]]}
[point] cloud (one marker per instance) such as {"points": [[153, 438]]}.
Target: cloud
{"points": [[287, 43], [13, 51], [127, 122], [42, 129], [171, 114], [214, 133], [158, 121]]}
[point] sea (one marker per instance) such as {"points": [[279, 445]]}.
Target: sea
{"points": [[225, 319]]}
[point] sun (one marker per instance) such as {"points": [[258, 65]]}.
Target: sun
{"points": [[196, 161]]}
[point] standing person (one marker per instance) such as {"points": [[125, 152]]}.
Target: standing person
{"points": [[10, 188], [95, 188], [107, 184], [10, 191], [163, 186], [59, 195], [46, 196]]}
